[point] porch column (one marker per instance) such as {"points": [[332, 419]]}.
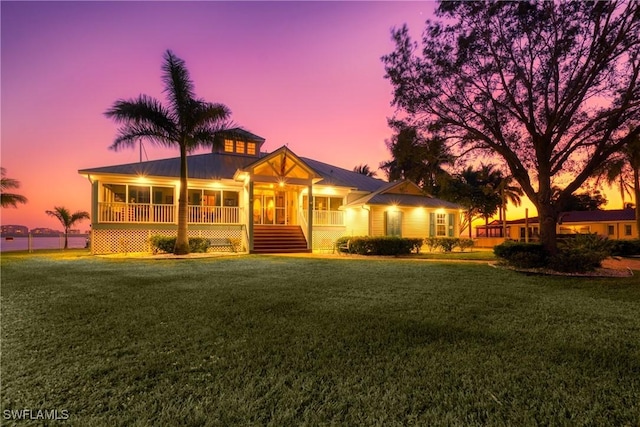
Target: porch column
{"points": [[310, 217], [250, 216], [95, 205]]}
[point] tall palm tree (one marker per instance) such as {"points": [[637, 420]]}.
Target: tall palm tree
{"points": [[9, 199], [187, 123], [67, 219], [365, 170], [624, 167]]}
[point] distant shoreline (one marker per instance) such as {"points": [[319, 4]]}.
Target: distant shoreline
{"points": [[58, 234]]}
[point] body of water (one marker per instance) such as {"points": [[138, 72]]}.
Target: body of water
{"points": [[22, 243]]}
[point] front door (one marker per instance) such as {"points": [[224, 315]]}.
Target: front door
{"points": [[270, 208]]}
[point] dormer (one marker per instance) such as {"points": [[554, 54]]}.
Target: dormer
{"points": [[239, 141]]}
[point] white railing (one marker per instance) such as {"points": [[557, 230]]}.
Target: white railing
{"points": [[214, 215], [118, 212], [328, 217], [135, 212]]}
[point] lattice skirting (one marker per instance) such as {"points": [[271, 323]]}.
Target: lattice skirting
{"points": [[324, 238], [108, 241]]}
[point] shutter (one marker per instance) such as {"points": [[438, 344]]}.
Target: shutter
{"points": [[451, 224], [432, 224]]}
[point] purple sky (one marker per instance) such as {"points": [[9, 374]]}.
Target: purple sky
{"points": [[306, 74]]}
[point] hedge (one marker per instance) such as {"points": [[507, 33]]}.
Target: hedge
{"points": [[167, 244], [365, 245]]}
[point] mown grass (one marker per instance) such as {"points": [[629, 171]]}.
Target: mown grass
{"points": [[280, 341]]}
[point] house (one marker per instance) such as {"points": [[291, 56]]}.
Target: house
{"points": [[613, 224], [259, 202]]}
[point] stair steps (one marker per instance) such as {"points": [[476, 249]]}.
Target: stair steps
{"points": [[269, 239]]}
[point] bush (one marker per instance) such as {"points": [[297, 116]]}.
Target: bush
{"points": [[364, 245], [625, 247], [167, 244], [522, 255], [465, 244], [447, 244], [580, 253], [162, 244], [571, 260]]}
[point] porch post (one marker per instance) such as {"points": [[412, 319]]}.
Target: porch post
{"points": [[95, 205], [310, 217], [250, 215]]}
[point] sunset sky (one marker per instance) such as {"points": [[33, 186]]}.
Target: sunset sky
{"points": [[306, 74]]}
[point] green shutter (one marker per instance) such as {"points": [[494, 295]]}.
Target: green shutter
{"points": [[432, 224], [451, 224]]}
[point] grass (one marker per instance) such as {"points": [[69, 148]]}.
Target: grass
{"points": [[251, 340]]}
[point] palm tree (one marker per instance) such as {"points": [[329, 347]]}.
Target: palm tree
{"points": [[508, 194], [187, 123], [67, 219], [417, 158], [365, 170], [9, 199], [623, 167]]}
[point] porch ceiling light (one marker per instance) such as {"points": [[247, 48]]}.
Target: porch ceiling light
{"points": [[141, 179]]}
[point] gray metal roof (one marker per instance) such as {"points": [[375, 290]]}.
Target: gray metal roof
{"points": [[334, 175], [410, 200], [200, 166]]}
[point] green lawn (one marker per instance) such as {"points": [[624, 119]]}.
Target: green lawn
{"points": [[252, 340]]}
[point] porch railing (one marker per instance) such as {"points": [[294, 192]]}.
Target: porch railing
{"points": [[326, 217], [135, 213], [117, 212], [214, 215]]}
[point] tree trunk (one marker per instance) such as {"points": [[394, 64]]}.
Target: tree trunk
{"points": [[182, 240], [636, 186], [547, 220], [66, 239]]}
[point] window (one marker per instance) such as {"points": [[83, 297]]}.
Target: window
{"points": [[240, 147], [230, 198], [139, 194], [441, 225], [627, 230], [251, 148], [393, 223], [162, 196], [228, 145], [611, 230]]}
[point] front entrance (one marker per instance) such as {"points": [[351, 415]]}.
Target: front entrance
{"points": [[271, 207]]}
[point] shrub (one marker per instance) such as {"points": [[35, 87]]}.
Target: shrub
{"points": [[199, 244], [465, 244], [522, 255], [571, 260], [580, 253], [625, 247], [166, 244], [432, 243], [364, 245], [447, 244], [162, 244]]}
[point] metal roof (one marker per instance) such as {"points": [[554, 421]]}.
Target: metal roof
{"points": [[200, 166], [339, 177]]}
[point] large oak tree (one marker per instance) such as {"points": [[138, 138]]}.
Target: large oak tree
{"points": [[551, 88]]}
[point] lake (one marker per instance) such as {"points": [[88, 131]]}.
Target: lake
{"points": [[22, 243]]}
